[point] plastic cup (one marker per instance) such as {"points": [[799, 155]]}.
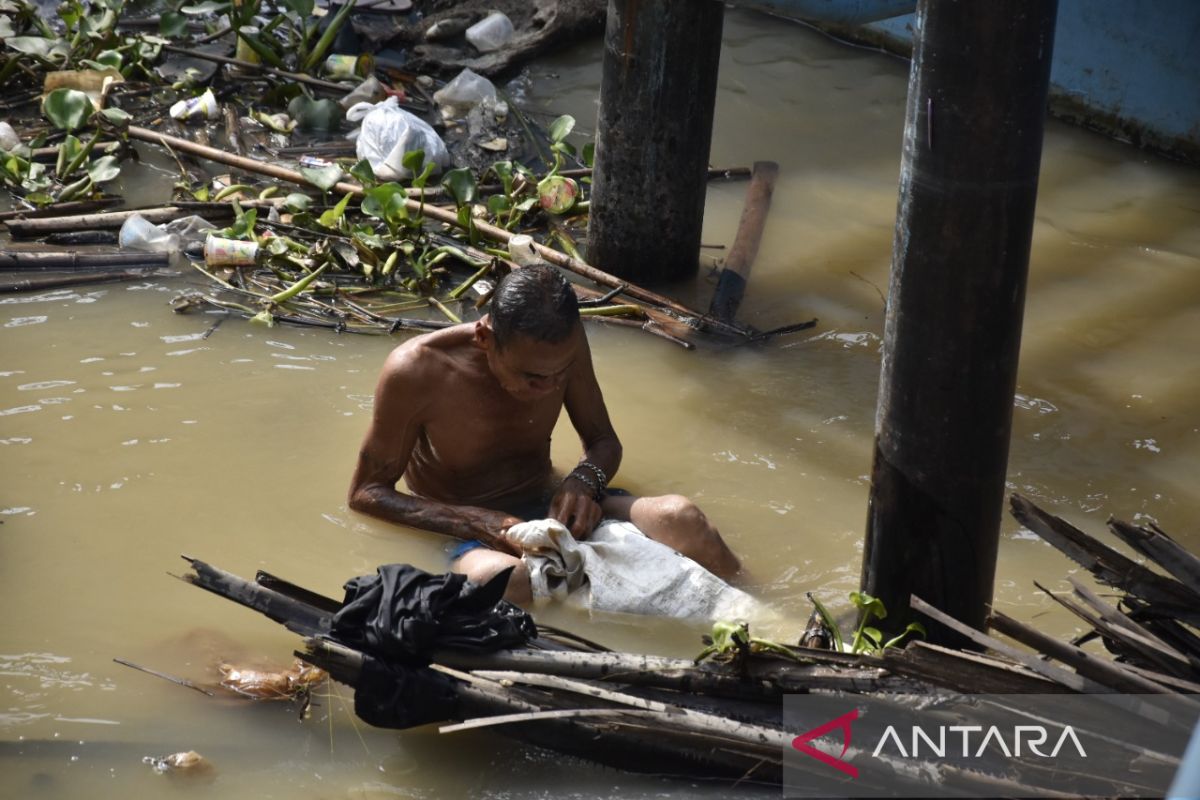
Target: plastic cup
{"points": [[346, 67], [520, 250], [220, 252], [244, 51]]}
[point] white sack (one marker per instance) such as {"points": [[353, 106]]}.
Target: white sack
{"points": [[618, 568], [388, 132]]}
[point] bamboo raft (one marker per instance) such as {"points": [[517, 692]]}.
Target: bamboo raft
{"points": [[723, 720]]}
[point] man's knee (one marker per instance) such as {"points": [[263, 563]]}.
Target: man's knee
{"points": [[680, 514], [481, 565]]}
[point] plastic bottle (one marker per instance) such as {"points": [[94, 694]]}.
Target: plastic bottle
{"points": [[490, 33]]}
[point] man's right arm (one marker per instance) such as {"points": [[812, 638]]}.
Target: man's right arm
{"points": [[384, 455]]}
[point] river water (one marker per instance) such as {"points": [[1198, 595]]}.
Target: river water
{"points": [[128, 438]]}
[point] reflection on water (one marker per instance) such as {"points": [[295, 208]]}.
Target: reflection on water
{"points": [[130, 435]]}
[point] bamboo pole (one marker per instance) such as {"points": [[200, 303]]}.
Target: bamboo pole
{"points": [[299, 77], [72, 260], [731, 286]]}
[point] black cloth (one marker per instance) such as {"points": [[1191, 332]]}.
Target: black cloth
{"points": [[402, 614]]}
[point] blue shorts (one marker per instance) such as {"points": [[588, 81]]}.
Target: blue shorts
{"points": [[535, 509]]}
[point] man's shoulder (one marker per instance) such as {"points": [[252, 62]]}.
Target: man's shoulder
{"points": [[430, 354]]}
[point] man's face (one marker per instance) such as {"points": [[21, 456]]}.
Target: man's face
{"points": [[529, 369]]}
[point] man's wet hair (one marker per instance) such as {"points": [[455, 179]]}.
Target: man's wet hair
{"points": [[536, 302]]}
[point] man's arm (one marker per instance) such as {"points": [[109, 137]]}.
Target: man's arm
{"points": [[573, 504], [384, 455]]}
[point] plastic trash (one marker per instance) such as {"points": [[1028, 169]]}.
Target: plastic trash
{"points": [[138, 233], [467, 90], [199, 108], [190, 230], [219, 252], [369, 91], [8, 137], [388, 132], [522, 252], [490, 33], [244, 52]]}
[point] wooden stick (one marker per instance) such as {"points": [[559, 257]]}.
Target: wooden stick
{"points": [[1162, 549], [59, 209], [537, 716], [1071, 680], [165, 676], [493, 232], [1108, 673], [731, 286], [299, 77], [28, 228]]}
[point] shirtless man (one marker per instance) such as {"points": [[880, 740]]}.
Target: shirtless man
{"points": [[465, 415]]}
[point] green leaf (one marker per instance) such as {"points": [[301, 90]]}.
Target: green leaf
{"points": [[827, 618], [302, 8], [207, 7], [68, 151], [172, 24], [68, 109], [297, 202], [497, 204], [363, 173], [460, 183], [413, 160], [116, 116], [38, 46], [104, 169], [913, 627], [868, 605], [332, 216], [377, 201], [589, 154], [561, 127], [324, 178]]}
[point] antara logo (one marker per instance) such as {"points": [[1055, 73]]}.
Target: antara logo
{"points": [[801, 743], [1032, 737]]}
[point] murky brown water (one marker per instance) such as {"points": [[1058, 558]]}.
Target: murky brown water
{"points": [[128, 438]]}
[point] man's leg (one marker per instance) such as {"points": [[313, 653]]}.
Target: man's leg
{"points": [[675, 521], [482, 564]]}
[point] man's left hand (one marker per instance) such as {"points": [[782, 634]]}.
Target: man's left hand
{"points": [[574, 507]]}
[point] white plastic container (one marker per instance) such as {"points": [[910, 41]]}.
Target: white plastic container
{"points": [[220, 252], [490, 33], [521, 251], [8, 137]]}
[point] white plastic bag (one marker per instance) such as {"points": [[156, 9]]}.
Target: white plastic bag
{"points": [[388, 132], [619, 569], [8, 137], [138, 233]]}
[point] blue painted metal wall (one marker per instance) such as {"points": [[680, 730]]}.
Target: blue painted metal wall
{"points": [[1130, 68]]}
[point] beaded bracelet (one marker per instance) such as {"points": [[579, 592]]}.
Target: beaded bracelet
{"points": [[597, 492], [600, 476]]}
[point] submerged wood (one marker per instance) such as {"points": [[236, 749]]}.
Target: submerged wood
{"points": [[23, 260], [1156, 545], [731, 286], [1109, 566], [59, 209], [63, 281]]}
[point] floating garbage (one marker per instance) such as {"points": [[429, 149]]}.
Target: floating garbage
{"points": [[220, 252], [189, 765], [344, 67], [388, 132], [8, 137], [490, 33], [369, 91], [138, 233], [197, 108], [244, 51], [467, 90], [263, 685], [557, 194]]}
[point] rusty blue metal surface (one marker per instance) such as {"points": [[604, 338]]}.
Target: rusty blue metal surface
{"points": [[1130, 68]]}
